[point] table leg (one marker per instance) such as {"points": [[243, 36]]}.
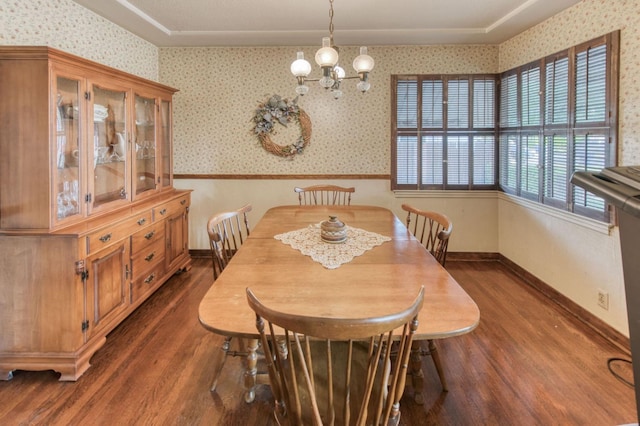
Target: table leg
{"points": [[417, 377], [251, 370]]}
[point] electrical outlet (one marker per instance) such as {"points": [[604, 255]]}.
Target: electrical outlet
{"points": [[603, 299]]}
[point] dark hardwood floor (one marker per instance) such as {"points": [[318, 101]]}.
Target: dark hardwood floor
{"points": [[527, 363]]}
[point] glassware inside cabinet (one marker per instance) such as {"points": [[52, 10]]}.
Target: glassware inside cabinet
{"points": [[109, 145], [145, 144], [67, 155]]}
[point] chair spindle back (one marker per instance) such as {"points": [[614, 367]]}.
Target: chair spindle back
{"points": [[336, 370]]}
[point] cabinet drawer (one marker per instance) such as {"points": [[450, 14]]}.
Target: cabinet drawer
{"points": [[147, 258], [106, 236], [146, 283], [168, 209], [146, 237]]}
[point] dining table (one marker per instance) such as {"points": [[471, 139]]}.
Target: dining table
{"points": [[376, 271]]}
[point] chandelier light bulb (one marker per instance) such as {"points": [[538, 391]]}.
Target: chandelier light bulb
{"points": [[326, 56], [340, 74], [363, 62], [300, 67]]}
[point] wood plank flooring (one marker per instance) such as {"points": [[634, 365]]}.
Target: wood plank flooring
{"points": [[528, 363]]}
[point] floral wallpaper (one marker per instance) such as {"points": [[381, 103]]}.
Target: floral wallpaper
{"points": [[65, 25], [585, 21], [220, 89]]}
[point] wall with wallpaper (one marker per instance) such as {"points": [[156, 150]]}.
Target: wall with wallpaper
{"points": [[220, 88], [67, 26]]}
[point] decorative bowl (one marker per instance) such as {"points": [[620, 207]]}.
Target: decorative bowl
{"points": [[333, 230]]}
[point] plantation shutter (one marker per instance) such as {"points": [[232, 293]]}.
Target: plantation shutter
{"points": [[590, 141], [432, 100], [432, 156], [406, 135], [529, 164], [556, 110], [530, 97], [509, 101]]}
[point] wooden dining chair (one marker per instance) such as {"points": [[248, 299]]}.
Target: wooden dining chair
{"points": [[324, 195], [336, 370], [227, 232], [433, 231]]}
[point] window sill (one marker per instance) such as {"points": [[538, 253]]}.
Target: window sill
{"points": [[585, 222], [445, 194], [592, 224]]}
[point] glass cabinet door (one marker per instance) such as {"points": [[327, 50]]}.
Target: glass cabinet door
{"points": [[144, 178], [110, 160], [67, 155], [165, 141]]}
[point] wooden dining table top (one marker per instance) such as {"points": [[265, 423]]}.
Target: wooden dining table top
{"points": [[381, 281]]}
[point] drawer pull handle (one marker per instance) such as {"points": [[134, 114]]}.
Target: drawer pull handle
{"points": [[183, 202], [163, 212], [149, 235], [105, 237], [149, 257], [150, 278], [141, 221]]}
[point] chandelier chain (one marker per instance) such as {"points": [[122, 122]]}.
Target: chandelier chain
{"points": [[331, 21]]}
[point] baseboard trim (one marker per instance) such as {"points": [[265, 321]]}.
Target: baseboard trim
{"points": [[199, 253], [472, 256], [595, 323]]}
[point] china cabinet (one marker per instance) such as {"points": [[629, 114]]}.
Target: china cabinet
{"points": [[90, 223]]}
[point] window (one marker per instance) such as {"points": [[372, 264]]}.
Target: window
{"points": [[557, 116], [444, 132]]}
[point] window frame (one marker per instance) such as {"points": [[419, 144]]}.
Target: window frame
{"points": [[510, 134], [572, 129], [445, 132]]}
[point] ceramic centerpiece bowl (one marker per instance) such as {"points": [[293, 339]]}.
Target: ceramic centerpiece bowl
{"points": [[333, 230]]}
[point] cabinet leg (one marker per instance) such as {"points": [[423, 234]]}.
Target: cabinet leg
{"points": [[6, 374]]}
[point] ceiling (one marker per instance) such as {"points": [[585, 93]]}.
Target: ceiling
{"points": [[305, 22]]}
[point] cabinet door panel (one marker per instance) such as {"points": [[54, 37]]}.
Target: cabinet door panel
{"points": [[68, 155], [110, 160], [107, 286], [145, 145], [177, 234]]}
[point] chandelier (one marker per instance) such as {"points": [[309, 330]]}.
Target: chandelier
{"points": [[332, 73]]}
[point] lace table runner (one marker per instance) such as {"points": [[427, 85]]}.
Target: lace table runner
{"points": [[331, 256]]}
